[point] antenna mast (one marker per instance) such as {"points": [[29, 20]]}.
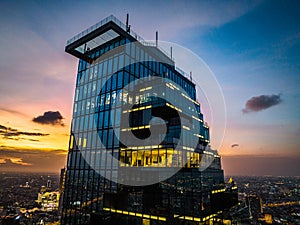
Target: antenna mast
{"points": [[127, 23]]}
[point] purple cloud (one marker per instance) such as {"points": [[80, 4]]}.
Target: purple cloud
{"points": [[50, 117], [235, 145], [259, 103]]}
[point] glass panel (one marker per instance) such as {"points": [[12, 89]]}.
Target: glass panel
{"points": [[106, 116], [117, 116], [121, 61], [104, 68], [120, 79], [100, 120], [109, 66], [115, 64], [100, 67], [114, 81]]}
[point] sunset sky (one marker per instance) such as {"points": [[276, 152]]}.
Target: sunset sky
{"points": [[252, 47]]}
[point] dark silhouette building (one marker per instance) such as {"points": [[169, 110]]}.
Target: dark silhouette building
{"points": [[124, 165]]}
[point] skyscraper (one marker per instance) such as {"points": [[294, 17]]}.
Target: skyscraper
{"points": [[139, 147]]}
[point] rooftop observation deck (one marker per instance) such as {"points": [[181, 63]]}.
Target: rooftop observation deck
{"points": [[102, 32], [106, 30]]}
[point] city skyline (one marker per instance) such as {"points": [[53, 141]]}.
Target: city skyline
{"points": [[263, 118]]}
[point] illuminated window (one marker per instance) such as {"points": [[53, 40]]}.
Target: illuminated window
{"points": [[146, 222]]}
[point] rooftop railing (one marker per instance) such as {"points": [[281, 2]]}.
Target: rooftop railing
{"points": [[120, 24]]}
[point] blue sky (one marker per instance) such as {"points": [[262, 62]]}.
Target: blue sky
{"points": [[253, 48]]}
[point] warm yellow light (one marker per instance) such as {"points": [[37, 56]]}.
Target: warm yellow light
{"points": [[162, 218], [194, 117], [137, 109], [71, 141], [198, 135], [136, 128], [218, 191], [84, 143], [136, 214], [146, 89], [185, 127], [173, 107], [187, 97]]}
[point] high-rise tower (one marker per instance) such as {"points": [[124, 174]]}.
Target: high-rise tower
{"points": [[138, 141]]}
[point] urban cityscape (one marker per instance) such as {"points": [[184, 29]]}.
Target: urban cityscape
{"points": [[262, 200], [123, 130]]}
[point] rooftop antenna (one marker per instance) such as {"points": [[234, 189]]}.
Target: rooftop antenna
{"points": [[127, 23], [171, 51], [156, 38], [191, 76]]}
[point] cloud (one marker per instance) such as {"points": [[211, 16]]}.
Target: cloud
{"points": [[50, 117], [35, 140], [18, 133], [235, 145], [8, 162], [13, 134], [259, 103], [20, 139], [4, 129]]}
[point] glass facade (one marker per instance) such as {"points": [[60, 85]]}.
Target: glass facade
{"points": [[116, 99]]}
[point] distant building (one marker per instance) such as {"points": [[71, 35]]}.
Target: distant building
{"points": [[48, 183], [111, 58], [62, 178], [26, 185], [255, 206], [61, 188], [48, 200]]}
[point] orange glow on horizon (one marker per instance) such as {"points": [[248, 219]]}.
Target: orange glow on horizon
{"points": [[55, 137]]}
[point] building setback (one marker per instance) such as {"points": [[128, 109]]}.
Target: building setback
{"points": [[116, 173]]}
